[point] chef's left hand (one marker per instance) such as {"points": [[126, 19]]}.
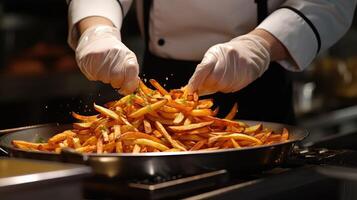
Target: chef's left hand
{"points": [[230, 66]]}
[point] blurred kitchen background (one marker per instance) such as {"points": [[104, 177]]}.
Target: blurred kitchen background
{"points": [[40, 82]]}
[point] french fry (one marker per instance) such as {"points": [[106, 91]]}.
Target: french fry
{"points": [[100, 145], [137, 123], [122, 101], [83, 138], [179, 106], [199, 131], [139, 100], [235, 136], [265, 136], [147, 126], [117, 131], [158, 87], [119, 147], [201, 112], [70, 141], [223, 122], [84, 132], [128, 123], [76, 143], [188, 144], [284, 135], [138, 135], [83, 125], [204, 104], [144, 110], [151, 143], [166, 115], [235, 144], [84, 118], [105, 134], [162, 121], [90, 141], [46, 147], [60, 137], [179, 118], [26, 145], [233, 112], [187, 121], [157, 133], [172, 150], [127, 128], [168, 137], [235, 129], [86, 149], [145, 89], [109, 147], [136, 149], [191, 137], [198, 145], [106, 112], [169, 109], [190, 126], [253, 129]]}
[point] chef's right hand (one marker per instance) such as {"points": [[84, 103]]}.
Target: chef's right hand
{"points": [[102, 56]]}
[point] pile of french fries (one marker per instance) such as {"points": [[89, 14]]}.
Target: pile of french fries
{"points": [[157, 120]]}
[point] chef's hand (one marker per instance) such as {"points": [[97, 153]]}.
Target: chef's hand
{"points": [[231, 66], [102, 56]]}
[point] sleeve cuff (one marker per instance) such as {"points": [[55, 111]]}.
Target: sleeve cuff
{"points": [[80, 9], [296, 34]]}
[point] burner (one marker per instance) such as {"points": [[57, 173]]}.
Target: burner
{"points": [[158, 188], [174, 187], [175, 181]]}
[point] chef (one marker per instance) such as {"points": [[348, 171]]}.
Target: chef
{"points": [[233, 50]]}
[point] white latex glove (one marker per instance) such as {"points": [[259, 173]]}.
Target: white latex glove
{"points": [[102, 56], [229, 67]]}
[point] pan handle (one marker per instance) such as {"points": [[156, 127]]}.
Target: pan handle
{"points": [[71, 156], [311, 155]]}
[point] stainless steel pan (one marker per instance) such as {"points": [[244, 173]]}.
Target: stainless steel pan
{"points": [[146, 165]]}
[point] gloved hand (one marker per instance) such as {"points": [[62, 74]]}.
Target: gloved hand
{"points": [[102, 56], [229, 67]]}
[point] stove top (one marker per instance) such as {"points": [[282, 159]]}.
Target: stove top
{"points": [[312, 173], [273, 184]]}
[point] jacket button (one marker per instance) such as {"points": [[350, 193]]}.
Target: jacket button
{"points": [[161, 42]]}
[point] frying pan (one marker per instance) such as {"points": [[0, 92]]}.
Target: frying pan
{"points": [[163, 164]]}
